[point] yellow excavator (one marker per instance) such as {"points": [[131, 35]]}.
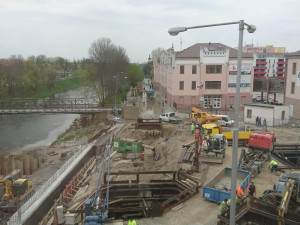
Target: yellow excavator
{"points": [[15, 188], [203, 117]]}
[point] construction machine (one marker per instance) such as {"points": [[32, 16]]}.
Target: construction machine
{"points": [[203, 117], [213, 129], [285, 195], [213, 149], [15, 187]]}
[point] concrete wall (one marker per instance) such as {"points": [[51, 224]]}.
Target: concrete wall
{"points": [[271, 113], [278, 120], [130, 112]]}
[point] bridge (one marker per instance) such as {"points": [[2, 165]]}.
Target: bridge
{"points": [[52, 106]]}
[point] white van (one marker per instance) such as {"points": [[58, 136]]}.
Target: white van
{"points": [[225, 121]]}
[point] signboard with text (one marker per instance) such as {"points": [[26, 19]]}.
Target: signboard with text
{"points": [[245, 78]]}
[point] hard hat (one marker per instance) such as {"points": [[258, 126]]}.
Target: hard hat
{"points": [[67, 212], [242, 186]]}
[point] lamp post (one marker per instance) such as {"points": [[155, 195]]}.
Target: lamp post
{"points": [[149, 59], [251, 28]]}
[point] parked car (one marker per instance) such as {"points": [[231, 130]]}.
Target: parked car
{"points": [[225, 121], [170, 117], [270, 100]]}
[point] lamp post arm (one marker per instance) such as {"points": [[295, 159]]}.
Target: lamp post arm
{"points": [[213, 25]]}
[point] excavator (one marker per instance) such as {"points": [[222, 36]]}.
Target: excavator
{"points": [[287, 193], [203, 117]]}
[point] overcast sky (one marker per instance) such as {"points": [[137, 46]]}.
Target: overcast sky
{"points": [[67, 28]]}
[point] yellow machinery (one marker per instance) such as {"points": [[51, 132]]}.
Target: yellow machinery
{"points": [[283, 207], [213, 129], [15, 189], [203, 117]]}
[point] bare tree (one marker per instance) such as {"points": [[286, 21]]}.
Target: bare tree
{"points": [[108, 60]]}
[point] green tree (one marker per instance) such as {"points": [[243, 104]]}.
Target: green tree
{"points": [[134, 74], [31, 76]]}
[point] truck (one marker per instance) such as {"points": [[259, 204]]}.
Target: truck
{"points": [[212, 129], [219, 187], [199, 116], [170, 117]]}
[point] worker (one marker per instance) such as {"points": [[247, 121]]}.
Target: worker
{"points": [[229, 201], [130, 222], [193, 128], [240, 192], [223, 207], [251, 189], [273, 165]]}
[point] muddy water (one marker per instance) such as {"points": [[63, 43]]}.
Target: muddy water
{"points": [[20, 131]]}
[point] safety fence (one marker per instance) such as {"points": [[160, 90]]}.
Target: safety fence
{"points": [[16, 219]]}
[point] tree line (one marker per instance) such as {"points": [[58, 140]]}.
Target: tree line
{"points": [[107, 70]]}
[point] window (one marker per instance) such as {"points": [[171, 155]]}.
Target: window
{"points": [[294, 68], [249, 113], [181, 69], [293, 88], [193, 85], [207, 101], [212, 84], [194, 69], [181, 85], [214, 69], [217, 102]]}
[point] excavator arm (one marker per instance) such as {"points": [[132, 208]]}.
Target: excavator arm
{"points": [[283, 207]]}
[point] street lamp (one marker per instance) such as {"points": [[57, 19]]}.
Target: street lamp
{"points": [[251, 28]]}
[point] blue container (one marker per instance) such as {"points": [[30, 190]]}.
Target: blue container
{"points": [[219, 187]]}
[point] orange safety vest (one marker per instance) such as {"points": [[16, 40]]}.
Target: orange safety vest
{"points": [[240, 191]]}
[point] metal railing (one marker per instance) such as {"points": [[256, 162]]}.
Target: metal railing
{"points": [[16, 219]]}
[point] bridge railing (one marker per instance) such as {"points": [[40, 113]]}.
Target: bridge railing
{"points": [[61, 103]]}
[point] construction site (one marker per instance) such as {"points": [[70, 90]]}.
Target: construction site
{"points": [[134, 165]]}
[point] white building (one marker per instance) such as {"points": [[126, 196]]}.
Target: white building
{"points": [[275, 115]]}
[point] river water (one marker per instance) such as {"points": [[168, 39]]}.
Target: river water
{"points": [[31, 130]]}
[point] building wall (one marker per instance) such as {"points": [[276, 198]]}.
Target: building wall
{"points": [[293, 99], [272, 114], [278, 120], [295, 103], [167, 80], [293, 78]]}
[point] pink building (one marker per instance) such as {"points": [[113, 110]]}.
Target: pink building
{"points": [[292, 85], [203, 75]]}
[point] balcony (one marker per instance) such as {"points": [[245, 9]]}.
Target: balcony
{"points": [[259, 77], [281, 62], [280, 67], [260, 67], [259, 72], [261, 63], [280, 72]]}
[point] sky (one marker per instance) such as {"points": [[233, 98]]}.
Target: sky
{"points": [[67, 28]]}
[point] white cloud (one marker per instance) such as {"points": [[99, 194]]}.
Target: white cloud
{"points": [[67, 28]]}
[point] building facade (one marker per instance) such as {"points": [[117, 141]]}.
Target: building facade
{"points": [[203, 75], [292, 86], [267, 49], [269, 74]]}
